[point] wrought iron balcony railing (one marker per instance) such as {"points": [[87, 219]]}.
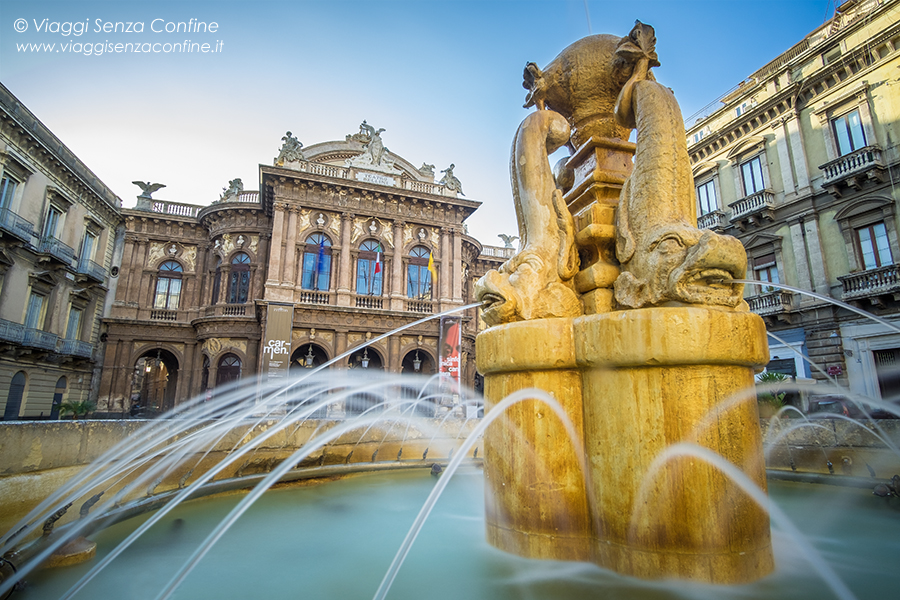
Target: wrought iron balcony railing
{"points": [[11, 332], [76, 348], [91, 269], [35, 338], [15, 225], [58, 250]]}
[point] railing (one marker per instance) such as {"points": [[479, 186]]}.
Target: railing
{"points": [[712, 220], [91, 269], [770, 304], [76, 348], [55, 248], [35, 338], [11, 332], [234, 310], [251, 197], [752, 204], [165, 207], [310, 297], [883, 280], [498, 251], [851, 164], [369, 302], [420, 306], [422, 186], [325, 169], [12, 223], [783, 59], [163, 315]]}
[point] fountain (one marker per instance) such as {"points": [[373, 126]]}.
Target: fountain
{"points": [[641, 341], [643, 455]]}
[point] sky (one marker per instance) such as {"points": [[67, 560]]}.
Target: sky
{"points": [[443, 78]]}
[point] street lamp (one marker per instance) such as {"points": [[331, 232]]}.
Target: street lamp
{"points": [[365, 359], [309, 358], [417, 362]]}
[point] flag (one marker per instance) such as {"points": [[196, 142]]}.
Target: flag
{"points": [[431, 268], [320, 259], [377, 263]]}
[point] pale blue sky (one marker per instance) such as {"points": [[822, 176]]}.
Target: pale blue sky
{"points": [[442, 78]]}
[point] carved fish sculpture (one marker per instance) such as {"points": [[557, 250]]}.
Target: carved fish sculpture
{"points": [[665, 259], [536, 283]]}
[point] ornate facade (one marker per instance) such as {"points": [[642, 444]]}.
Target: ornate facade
{"points": [[799, 162], [354, 238], [58, 231]]}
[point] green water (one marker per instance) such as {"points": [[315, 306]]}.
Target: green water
{"points": [[336, 541]]}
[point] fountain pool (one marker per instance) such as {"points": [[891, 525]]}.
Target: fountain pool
{"points": [[337, 539]]}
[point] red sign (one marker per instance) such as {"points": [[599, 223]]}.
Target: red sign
{"points": [[450, 352]]}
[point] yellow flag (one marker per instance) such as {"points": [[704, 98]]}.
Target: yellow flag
{"points": [[431, 267]]}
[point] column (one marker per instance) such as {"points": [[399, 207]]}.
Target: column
{"points": [[274, 277], [816, 256], [798, 150], [398, 290], [343, 290], [457, 266], [289, 275], [340, 346], [784, 158], [445, 264], [804, 278]]}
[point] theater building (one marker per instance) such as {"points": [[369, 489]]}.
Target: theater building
{"points": [[345, 239]]}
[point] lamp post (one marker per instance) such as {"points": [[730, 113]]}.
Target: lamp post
{"points": [[417, 362], [365, 359], [309, 358]]}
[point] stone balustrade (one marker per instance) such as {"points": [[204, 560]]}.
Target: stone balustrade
{"points": [[856, 163], [753, 204], [712, 220], [771, 303], [873, 282]]}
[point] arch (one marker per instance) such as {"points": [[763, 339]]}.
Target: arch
{"points": [[14, 397], [419, 282], [299, 356], [228, 369], [58, 394], [370, 268], [866, 205], [154, 382], [754, 143], [428, 364], [168, 285], [316, 273], [239, 279]]}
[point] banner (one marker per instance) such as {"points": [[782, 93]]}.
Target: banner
{"points": [[276, 351], [450, 347]]}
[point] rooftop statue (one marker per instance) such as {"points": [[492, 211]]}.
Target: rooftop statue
{"points": [[507, 239], [147, 188], [450, 181], [291, 150], [664, 257], [234, 189], [375, 154]]}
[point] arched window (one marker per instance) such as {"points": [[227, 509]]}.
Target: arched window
{"points": [[317, 263], [217, 282], [418, 277], [369, 268], [58, 394], [14, 397], [168, 285], [239, 286], [229, 369]]}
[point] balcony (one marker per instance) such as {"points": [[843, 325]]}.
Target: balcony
{"points": [[15, 225], [164, 315], [420, 306], [369, 302], [753, 209], [313, 297], [770, 304], [76, 348], [11, 332], [234, 310], [91, 270], [56, 249], [714, 220], [871, 284], [35, 338], [852, 170]]}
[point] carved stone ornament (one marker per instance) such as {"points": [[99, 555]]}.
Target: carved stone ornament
{"points": [[450, 181], [320, 221], [665, 258], [235, 188], [291, 150]]}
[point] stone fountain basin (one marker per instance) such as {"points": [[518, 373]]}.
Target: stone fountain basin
{"points": [[336, 540]]}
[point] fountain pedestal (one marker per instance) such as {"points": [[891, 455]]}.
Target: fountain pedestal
{"points": [[659, 376], [633, 383]]}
